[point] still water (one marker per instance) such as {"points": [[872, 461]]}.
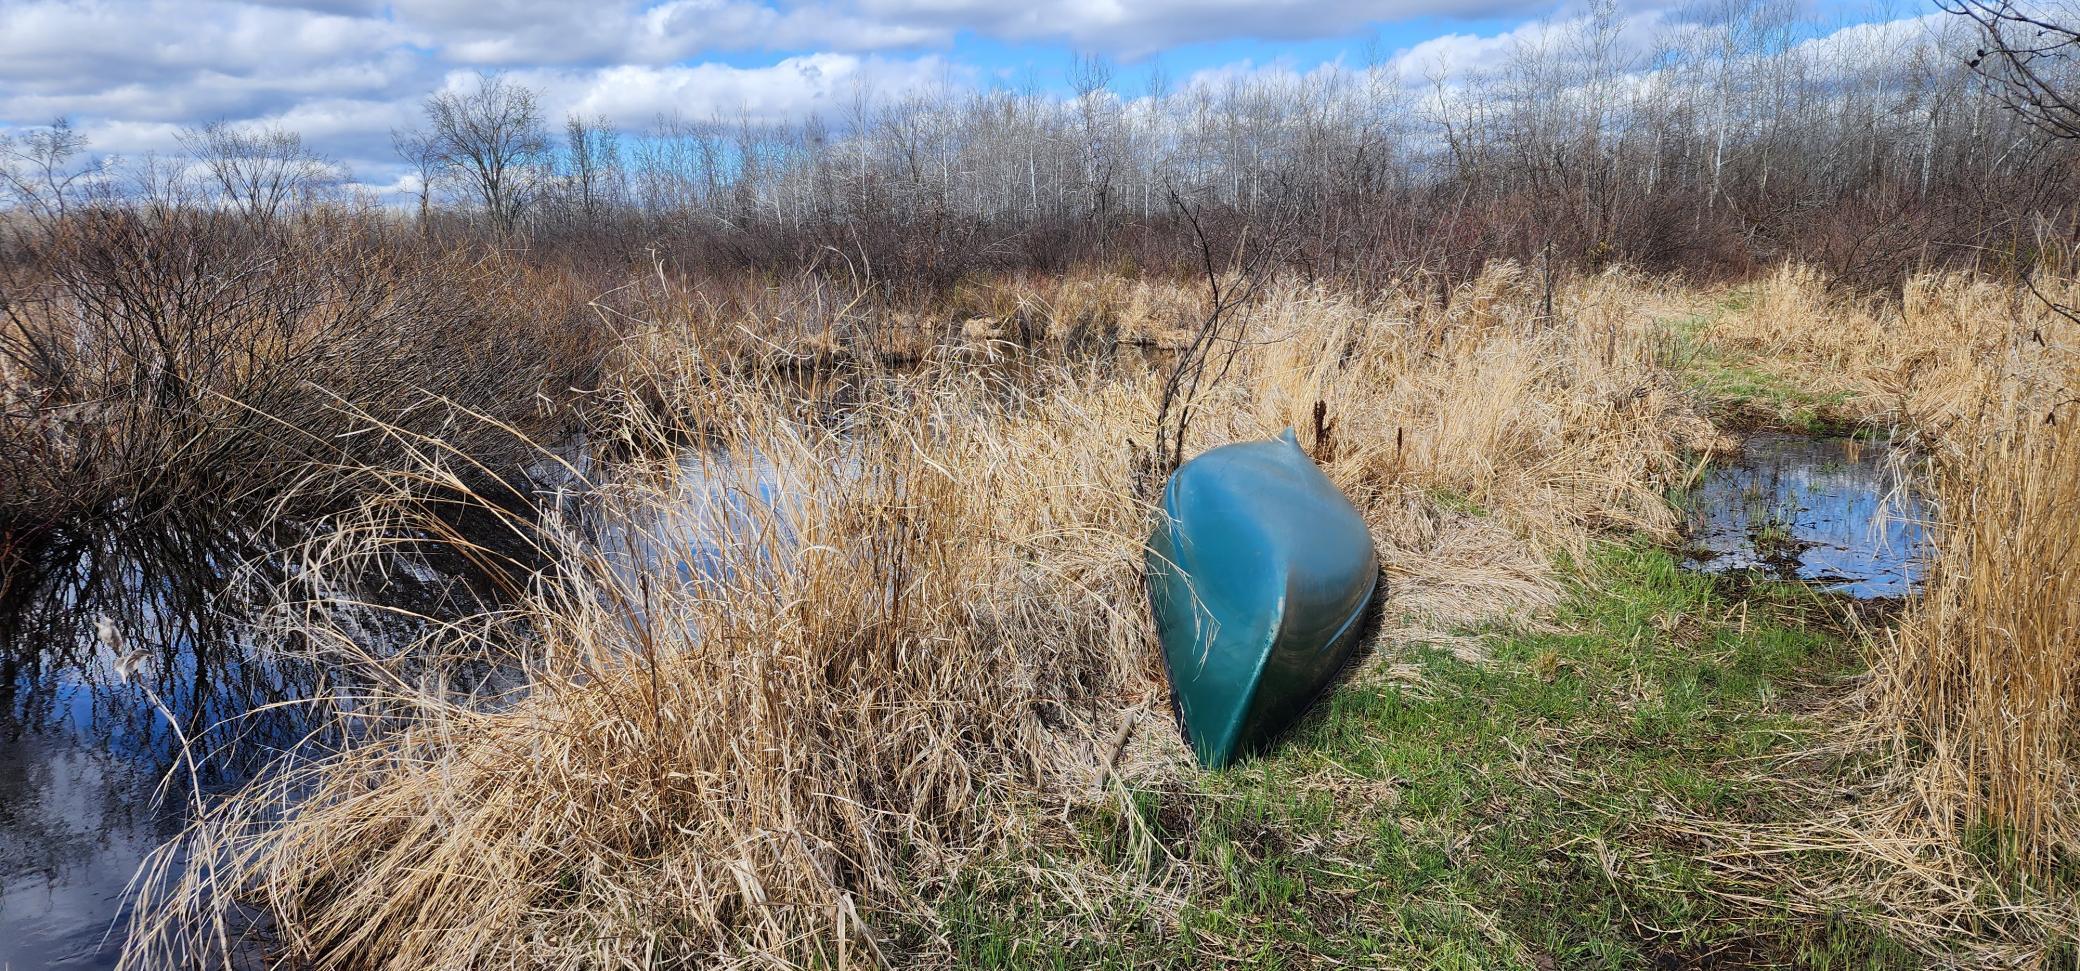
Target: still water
{"points": [[1824, 510], [90, 725], [119, 643], [115, 646]]}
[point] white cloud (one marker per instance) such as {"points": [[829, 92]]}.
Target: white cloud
{"points": [[54, 47], [345, 72], [1878, 40], [1136, 27], [1457, 55], [536, 32], [797, 87], [131, 74]]}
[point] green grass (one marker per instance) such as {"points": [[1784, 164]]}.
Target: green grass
{"points": [[1739, 392], [1485, 816], [1455, 501], [1744, 393]]}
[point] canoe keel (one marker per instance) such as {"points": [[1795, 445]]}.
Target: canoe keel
{"points": [[1260, 578]]}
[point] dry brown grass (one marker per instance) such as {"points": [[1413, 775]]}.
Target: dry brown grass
{"points": [[1922, 360], [1985, 672], [911, 628], [1081, 307]]}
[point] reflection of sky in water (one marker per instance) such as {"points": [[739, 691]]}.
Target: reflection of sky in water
{"points": [[90, 770], [86, 760], [728, 511], [67, 850], [90, 781], [1821, 510]]}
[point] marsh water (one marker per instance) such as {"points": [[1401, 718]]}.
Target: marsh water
{"points": [[1827, 511], [118, 644], [91, 721], [116, 647]]}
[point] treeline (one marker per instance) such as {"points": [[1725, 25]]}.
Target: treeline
{"points": [[1742, 136]]}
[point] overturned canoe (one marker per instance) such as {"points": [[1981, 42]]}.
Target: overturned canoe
{"points": [[1258, 577]]}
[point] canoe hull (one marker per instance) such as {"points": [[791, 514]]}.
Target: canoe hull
{"points": [[1260, 577]]}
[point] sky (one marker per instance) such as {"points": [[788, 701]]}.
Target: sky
{"points": [[132, 73]]}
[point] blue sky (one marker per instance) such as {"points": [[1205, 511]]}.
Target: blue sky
{"points": [[132, 73]]}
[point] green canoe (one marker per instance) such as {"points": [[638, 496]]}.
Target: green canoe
{"points": [[1258, 578]]}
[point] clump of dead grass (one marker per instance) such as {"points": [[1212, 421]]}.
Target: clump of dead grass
{"points": [[793, 685], [1920, 360], [1985, 671]]}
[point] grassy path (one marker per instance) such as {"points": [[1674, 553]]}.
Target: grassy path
{"points": [[1489, 815]]}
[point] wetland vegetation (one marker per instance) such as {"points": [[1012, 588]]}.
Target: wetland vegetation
{"points": [[668, 563]]}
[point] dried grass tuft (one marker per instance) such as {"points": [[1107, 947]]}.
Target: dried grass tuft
{"points": [[1985, 671]]}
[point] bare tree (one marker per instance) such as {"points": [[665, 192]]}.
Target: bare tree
{"points": [[416, 147], [1090, 77], [2030, 54], [1746, 137], [592, 164], [490, 140], [1232, 291], [40, 169], [257, 170]]}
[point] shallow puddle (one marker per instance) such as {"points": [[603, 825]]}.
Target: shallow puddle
{"points": [[1822, 510]]}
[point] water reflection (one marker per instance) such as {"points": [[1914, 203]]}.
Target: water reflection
{"points": [[91, 726], [93, 774], [1821, 510]]}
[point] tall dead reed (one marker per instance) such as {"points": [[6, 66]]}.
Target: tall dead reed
{"points": [[793, 684], [1953, 821], [1985, 671]]}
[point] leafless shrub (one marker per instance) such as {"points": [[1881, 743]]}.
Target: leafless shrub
{"points": [[199, 355], [2029, 54]]}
